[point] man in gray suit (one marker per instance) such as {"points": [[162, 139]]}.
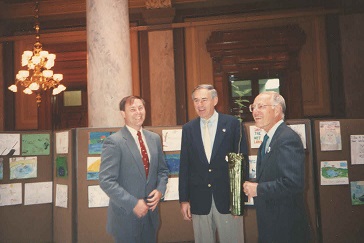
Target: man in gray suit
{"points": [[134, 175], [279, 190]]}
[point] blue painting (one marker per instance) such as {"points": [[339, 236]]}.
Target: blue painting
{"points": [[1, 168], [96, 140], [173, 161]]}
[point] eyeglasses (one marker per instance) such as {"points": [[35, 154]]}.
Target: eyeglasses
{"points": [[257, 107]]}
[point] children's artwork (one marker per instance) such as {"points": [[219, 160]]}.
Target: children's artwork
{"points": [[93, 168], [256, 136], [35, 144], [173, 162], [1, 169], [172, 139], [9, 144], [38, 193], [300, 129], [357, 192], [61, 167], [334, 173], [23, 167], [357, 149], [330, 136], [96, 140], [172, 189], [62, 142], [10, 194], [252, 166], [97, 197], [61, 195]]}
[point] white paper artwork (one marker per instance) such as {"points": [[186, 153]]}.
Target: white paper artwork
{"points": [[97, 197], [256, 136], [61, 195], [10, 194], [172, 139], [300, 129], [62, 142], [330, 136], [172, 189], [357, 149], [9, 144], [38, 193]]}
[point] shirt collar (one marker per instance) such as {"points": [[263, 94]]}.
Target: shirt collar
{"points": [[212, 119], [133, 131], [273, 129]]}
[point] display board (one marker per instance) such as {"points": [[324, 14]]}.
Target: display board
{"points": [[64, 187], [339, 147], [255, 136], [26, 187], [334, 190]]}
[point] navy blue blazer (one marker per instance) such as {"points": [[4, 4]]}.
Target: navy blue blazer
{"points": [[200, 180], [280, 205]]}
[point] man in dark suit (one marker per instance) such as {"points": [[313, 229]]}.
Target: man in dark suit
{"points": [[134, 175], [279, 191], [204, 184]]}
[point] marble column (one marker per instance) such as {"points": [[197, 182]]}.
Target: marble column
{"points": [[108, 62]]}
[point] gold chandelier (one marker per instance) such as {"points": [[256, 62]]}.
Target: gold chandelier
{"points": [[38, 76]]}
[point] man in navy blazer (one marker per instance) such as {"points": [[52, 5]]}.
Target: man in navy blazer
{"points": [[134, 188], [204, 184], [279, 190]]}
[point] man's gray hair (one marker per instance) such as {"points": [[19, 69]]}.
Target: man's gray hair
{"points": [[209, 87], [277, 99]]}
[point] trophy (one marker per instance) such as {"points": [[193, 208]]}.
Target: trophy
{"points": [[237, 164]]}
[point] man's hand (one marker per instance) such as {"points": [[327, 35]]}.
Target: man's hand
{"points": [[140, 209], [153, 199], [186, 211], [250, 189]]}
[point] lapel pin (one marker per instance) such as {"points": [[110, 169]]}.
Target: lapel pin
{"points": [[226, 158], [268, 150], [223, 130]]}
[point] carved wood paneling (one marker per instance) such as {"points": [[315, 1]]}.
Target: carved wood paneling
{"points": [[263, 50]]}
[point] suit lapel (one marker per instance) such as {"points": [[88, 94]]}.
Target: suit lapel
{"points": [[262, 164], [133, 148], [152, 150], [196, 129], [219, 137]]}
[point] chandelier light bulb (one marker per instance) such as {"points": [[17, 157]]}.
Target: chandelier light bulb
{"points": [[49, 64], [47, 73], [23, 73], [33, 86], [61, 87], [43, 54], [58, 77], [51, 56], [28, 54], [28, 91], [13, 88], [36, 60]]}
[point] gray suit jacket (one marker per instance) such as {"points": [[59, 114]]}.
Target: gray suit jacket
{"points": [[122, 177]]}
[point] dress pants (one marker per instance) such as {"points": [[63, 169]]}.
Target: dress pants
{"points": [[230, 229]]}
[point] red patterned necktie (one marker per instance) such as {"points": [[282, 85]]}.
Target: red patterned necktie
{"points": [[144, 153]]}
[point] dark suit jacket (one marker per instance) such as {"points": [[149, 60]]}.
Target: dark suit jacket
{"points": [[199, 180], [280, 205], [122, 177]]}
